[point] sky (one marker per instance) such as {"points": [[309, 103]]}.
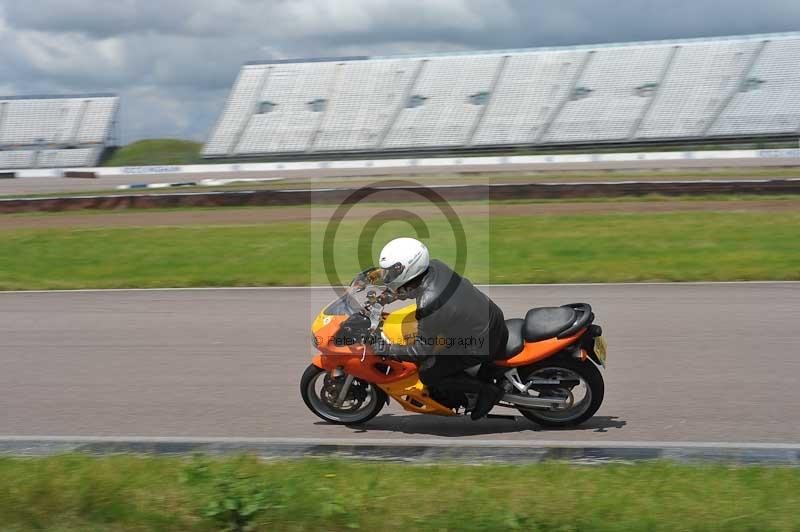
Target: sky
{"points": [[174, 61]]}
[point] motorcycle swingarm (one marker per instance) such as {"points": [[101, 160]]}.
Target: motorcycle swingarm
{"points": [[553, 384]]}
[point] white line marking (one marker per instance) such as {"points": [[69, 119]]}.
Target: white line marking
{"points": [[318, 287], [405, 442]]}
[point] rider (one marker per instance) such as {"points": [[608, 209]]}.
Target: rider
{"points": [[458, 326]]}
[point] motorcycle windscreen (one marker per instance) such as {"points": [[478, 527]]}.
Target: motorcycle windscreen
{"points": [[343, 306]]}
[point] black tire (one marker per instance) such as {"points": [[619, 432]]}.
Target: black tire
{"points": [[306, 382], [588, 372]]}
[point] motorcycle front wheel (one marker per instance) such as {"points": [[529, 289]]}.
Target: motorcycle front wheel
{"points": [[323, 394], [583, 400]]}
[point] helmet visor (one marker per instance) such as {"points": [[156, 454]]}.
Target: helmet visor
{"points": [[390, 274]]}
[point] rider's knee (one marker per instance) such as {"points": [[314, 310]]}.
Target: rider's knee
{"points": [[427, 375]]}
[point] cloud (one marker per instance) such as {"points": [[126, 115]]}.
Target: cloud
{"points": [[173, 62]]}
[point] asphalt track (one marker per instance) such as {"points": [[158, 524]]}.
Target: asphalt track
{"points": [[52, 185], [687, 363]]}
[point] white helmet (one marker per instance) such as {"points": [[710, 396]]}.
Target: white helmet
{"points": [[401, 260]]}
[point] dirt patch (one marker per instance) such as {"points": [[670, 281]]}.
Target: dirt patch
{"points": [[263, 215]]}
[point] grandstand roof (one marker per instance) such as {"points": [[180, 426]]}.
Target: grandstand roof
{"points": [[577, 47], [59, 96], [311, 60]]}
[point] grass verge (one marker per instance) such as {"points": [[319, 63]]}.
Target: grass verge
{"points": [[156, 152], [75, 492], [689, 246]]}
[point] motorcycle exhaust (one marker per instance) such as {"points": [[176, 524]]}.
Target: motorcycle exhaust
{"points": [[534, 402]]}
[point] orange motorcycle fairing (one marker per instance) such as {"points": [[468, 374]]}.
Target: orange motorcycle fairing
{"points": [[399, 380], [371, 369], [536, 351]]}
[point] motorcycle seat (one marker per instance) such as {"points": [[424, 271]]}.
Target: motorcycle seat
{"points": [[515, 341], [547, 322]]}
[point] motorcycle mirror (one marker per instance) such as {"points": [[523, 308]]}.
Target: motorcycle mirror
{"points": [[363, 279]]}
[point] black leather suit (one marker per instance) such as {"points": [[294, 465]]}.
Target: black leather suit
{"points": [[458, 326]]}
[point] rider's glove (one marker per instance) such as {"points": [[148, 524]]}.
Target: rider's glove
{"points": [[383, 348], [380, 346]]}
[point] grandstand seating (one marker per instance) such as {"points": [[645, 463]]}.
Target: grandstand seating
{"points": [[767, 101], [691, 89], [526, 97], [16, 158], [605, 104], [55, 131], [292, 102], [699, 79], [368, 92], [67, 158], [447, 111], [238, 109]]}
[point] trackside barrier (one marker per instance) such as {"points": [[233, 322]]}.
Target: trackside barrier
{"points": [[84, 174], [378, 166], [402, 193], [7, 175]]}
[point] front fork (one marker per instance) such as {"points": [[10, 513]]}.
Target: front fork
{"points": [[348, 381]]}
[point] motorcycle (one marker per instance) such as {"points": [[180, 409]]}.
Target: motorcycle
{"points": [[549, 371]]}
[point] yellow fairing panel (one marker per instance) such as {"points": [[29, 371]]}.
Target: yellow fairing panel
{"points": [[413, 396], [319, 322], [400, 327]]}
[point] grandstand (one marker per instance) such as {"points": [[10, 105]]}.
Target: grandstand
{"points": [[55, 131], [651, 92]]}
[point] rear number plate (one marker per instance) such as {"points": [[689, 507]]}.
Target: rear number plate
{"points": [[600, 349]]}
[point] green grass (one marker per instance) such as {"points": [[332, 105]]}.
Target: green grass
{"points": [[156, 152], [716, 246], [78, 493]]}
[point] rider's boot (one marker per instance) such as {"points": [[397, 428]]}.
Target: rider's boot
{"points": [[487, 398]]}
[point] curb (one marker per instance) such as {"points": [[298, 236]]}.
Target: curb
{"points": [[419, 451]]}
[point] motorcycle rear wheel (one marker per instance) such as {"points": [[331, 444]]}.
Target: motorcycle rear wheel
{"points": [[590, 376], [316, 400]]}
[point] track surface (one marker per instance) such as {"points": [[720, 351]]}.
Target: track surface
{"points": [[52, 185], [688, 363]]}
